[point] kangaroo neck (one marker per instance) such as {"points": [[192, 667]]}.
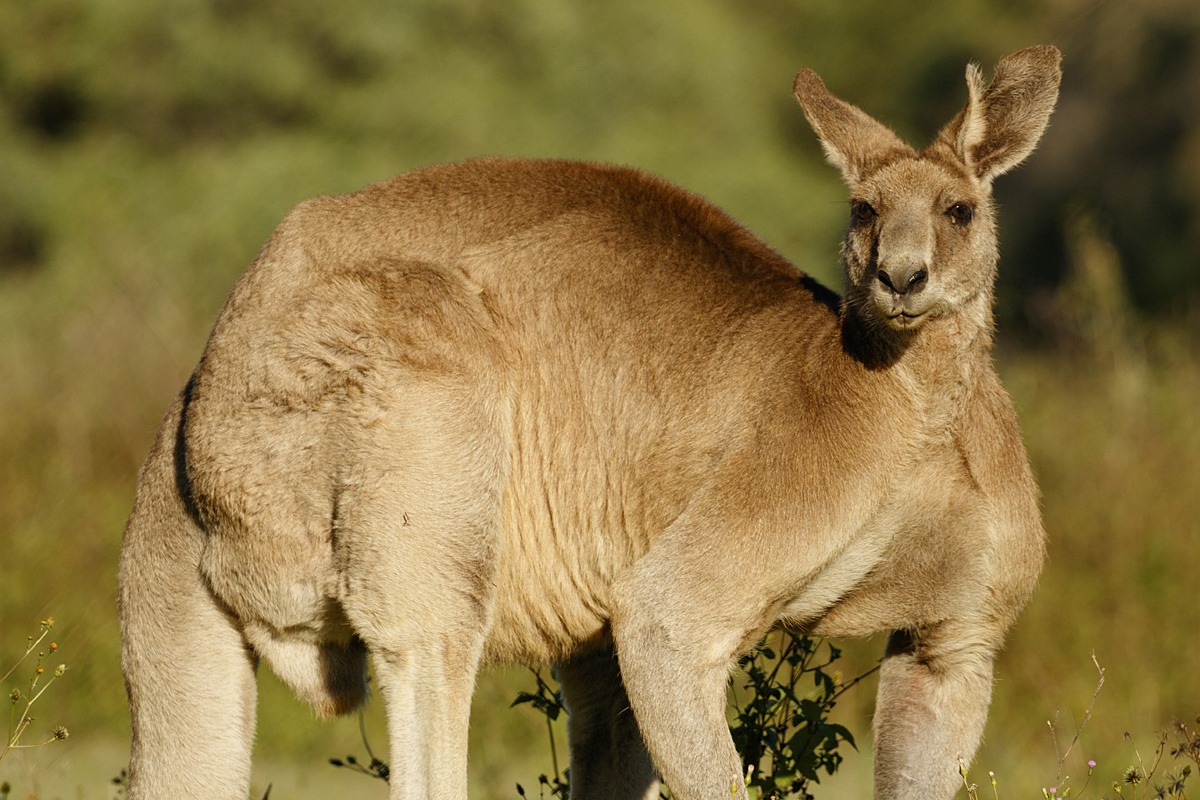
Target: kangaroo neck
{"points": [[938, 363]]}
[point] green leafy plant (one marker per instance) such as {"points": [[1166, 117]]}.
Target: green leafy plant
{"points": [[783, 732], [549, 702]]}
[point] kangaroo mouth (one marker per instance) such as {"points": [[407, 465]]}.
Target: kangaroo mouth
{"points": [[903, 319], [906, 320]]}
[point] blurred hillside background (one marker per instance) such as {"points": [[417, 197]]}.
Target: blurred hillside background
{"points": [[148, 148]]}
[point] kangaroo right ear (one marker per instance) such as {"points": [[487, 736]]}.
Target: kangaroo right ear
{"points": [[1003, 122], [853, 141]]}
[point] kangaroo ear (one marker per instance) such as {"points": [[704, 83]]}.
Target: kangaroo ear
{"points": [[1003, 122], [853, 141]]}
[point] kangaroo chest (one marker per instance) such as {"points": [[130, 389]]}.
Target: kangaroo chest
{"points": [[912, 561]]}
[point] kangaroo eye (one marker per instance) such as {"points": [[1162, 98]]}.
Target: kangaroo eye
{"points": [[960, 213], [861, 213]]}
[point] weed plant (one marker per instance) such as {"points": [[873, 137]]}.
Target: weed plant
{"points": [[1136, 782], [21, 704], [549, 703], [784, 734]]}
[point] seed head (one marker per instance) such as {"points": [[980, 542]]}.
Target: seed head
{"points": [[59, 670], [15, 695], [1132, 776], [61, 733]]}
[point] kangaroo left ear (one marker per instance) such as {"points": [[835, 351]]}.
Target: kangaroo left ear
{"points": [[1004, 121], [854, 142]]}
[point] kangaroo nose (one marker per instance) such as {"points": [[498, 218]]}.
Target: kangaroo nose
{"points": [[903, 280]]}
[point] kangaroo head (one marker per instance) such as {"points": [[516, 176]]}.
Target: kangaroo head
{"points": [[922, 239]]}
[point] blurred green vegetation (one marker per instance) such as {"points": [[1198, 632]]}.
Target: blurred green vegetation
{"points": [[148, 147]]}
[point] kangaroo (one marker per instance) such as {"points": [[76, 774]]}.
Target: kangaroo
{"points": [[545, 411]]}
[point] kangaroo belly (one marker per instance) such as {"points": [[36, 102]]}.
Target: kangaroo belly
{"points": [[545, 609], [578, 509]]}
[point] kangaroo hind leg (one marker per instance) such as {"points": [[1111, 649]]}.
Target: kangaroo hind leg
{"points": [[273, 564], [609, 761], [189, 670], [418, 544]]}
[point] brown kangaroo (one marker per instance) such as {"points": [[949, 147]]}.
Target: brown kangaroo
{"points": [[528, 411]]}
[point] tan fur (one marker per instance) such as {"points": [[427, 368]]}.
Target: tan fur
{"points": [[547, 411]]}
